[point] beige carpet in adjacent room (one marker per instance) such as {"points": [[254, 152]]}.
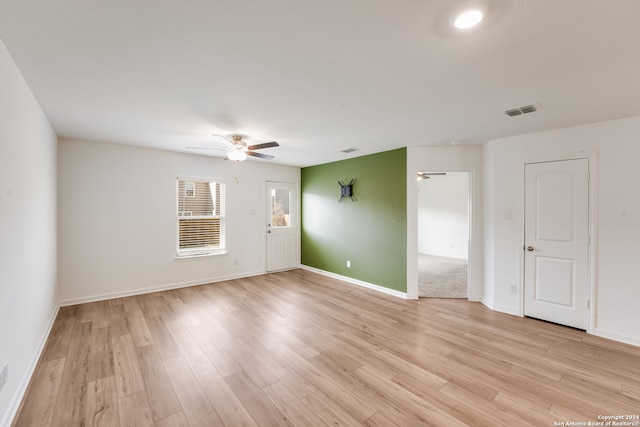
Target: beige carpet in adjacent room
{"points": [[441, 277]]}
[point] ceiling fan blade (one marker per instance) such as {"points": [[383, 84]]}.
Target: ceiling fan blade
{"points": [[227, 141], [207, 148], [263, 145], [260, 155]]}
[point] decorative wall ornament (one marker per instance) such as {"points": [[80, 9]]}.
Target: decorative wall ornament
{"points": [[346, 190]]}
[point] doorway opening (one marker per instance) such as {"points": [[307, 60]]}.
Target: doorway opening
{"points": [[443, 234]]}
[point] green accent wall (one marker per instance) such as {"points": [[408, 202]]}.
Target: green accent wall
{"points": [[371, 231]]}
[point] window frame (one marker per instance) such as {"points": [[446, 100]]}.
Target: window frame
{"points": [[182, 254]]}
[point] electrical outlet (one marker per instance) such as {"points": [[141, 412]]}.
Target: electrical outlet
{"points": [[348, 264], [4, 373], [513, 289]]}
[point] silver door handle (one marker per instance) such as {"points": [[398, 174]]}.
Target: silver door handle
{"points": [[530, 248]]}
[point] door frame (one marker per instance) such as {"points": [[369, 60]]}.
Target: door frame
{"points": [[592, 222], [468, 196], [296, 209], [412, 227]]}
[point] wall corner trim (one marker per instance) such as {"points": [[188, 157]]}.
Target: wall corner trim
{"points": [[353, 281]]}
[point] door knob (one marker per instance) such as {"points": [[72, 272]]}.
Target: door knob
{"points": [[268, 231], [530, 248]]}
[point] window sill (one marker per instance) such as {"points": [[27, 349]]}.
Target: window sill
{"points": [[194, 257]]}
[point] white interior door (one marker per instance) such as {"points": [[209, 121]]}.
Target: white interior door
{"points": [[557, 242], [282, 226]]}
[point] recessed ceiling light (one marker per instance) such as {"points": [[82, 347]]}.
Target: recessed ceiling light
{"points": [[468, 19]]}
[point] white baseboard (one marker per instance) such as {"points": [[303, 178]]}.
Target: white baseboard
{"points": [[353, 281], [486, 303], [148, 290], [14, 405], [474, 298], [501, 308], [627, 339]]}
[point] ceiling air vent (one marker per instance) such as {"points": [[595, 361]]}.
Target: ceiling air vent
{"points": [[522, 110], [349, 150]]}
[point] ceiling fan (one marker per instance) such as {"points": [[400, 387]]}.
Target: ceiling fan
{"points": [[238, 150]]}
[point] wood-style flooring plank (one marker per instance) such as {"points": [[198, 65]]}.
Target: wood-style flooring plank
{"points": [[195, 404], [326, 409], [632, 391], [137, 324], [492, 414], [102, 403], [101, 364], [225, 402], [38, 408], [127, 369], [374, 397], [296, 383], [297, 411], [355, 406], [71, 400], [379, 420], [162, 339], [298, 348], [161, 395], [263, 411], [134, 411], [59, 338], [175, 420], [520, 408]]}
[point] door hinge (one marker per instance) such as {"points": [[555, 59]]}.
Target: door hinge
{"points": [[588, 303]]}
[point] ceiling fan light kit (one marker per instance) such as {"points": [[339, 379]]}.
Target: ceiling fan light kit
{"points": [[237, 150], [237, 155]]}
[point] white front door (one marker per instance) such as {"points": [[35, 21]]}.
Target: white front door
{"points": [[282, 226], [556, 242]]}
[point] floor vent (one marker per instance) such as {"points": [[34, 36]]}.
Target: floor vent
{"points": [[522, 110]]}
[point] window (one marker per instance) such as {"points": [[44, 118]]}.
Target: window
{"points": [[200, 218], [190, 189], [280, 205]]}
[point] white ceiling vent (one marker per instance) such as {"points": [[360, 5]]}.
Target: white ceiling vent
{"points": [[349, 150], [526, 109]]}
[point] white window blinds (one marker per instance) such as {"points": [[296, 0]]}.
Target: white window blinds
{"points": [[200, 220]]}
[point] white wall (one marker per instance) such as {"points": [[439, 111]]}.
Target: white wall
{"points": [[27, 232], [117, 219], [617, 239], [443, 215], [441, 159]]}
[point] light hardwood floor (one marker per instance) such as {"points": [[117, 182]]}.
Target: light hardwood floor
{"points": [[297, 348]]}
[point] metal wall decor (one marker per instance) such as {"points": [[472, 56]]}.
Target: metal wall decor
{"points": [[346, 190]]}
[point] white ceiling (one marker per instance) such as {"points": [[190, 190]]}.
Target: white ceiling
{"points": [[320, 76]]}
